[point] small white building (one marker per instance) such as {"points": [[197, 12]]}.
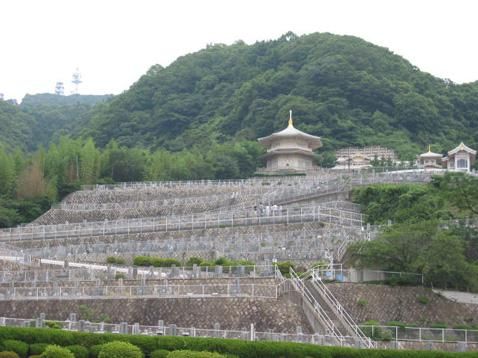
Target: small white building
{"points": [[290, 150], [460, 158], [430, 160]]}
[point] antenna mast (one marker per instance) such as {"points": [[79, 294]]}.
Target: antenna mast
{"points": [[59, 89], [76, 80]]}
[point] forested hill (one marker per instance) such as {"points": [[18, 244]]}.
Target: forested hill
{"points": [[15, 126], [42, 118], [55, 115], [342, 88]]}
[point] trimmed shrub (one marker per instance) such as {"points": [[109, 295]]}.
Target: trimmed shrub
{"points": [[193, 354], [227, 347], [8, 355], [194, 261], [53, 324], [118, 349], [78, 351], [95, 350], [115, 260], [54, 351], [37, 348], [19, 347], [159, 353]]}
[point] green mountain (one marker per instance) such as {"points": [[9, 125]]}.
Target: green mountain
{"points": [[15, 126], [342, 88], [42, 118], [55, 115]]}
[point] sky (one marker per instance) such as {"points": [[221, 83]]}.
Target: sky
{"points": [[114, 42]]}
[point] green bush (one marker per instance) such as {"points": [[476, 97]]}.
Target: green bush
{"points": [[155, 261], [37, 348], [17, 346], [142, 261], [192, 354], [78, 351], [95, 350], [8, 355], [194, 261], [54, 351], [115, 260], [120, 349], [284, 267], [159, 353], [52, 324], [228, 347]]}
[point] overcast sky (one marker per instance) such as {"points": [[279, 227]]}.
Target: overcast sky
{"points": [[114, 42]]}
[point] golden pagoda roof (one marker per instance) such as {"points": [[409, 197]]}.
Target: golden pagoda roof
{"points": [[292, 132]]}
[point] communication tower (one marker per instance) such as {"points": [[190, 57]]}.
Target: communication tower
{"points": [[59, 89], [76, 80]]}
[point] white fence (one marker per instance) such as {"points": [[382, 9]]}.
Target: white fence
{"points": [[146, 291], [190, 222], [88, 272], [421, 334], [173, 330], [336, 272]]}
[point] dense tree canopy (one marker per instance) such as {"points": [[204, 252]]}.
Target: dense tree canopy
{"points": [[30, 183], [342, 88], [429, 234]]}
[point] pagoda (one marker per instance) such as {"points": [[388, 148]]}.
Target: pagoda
{"points": [[290, 150], [430, 160]]}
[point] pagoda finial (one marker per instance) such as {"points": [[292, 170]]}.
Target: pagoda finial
{"points": [[429, 147], [291, 124]]}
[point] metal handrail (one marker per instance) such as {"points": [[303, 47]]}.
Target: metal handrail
{"points": [[339, 310], [320, 313]]}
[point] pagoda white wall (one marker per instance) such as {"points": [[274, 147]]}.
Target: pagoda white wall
{"points": [[290, 162], [289, 143]]}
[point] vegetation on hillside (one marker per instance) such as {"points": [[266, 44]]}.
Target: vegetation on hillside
{"points": [[30, 183], [54, 115], [434, 230], [101, 345], [342, 88]]}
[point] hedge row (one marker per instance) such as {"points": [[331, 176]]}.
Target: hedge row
{"points": [[168, 262], [239, 348], [155, 261]]}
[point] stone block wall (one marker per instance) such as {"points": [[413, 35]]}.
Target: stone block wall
{"points": [[230, 313], [417, 305]]}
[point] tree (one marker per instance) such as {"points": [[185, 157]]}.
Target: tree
{"points": [[461, 190], [7, 173], [31, 182], [444, 263], [89, 162], [398, 248]]}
